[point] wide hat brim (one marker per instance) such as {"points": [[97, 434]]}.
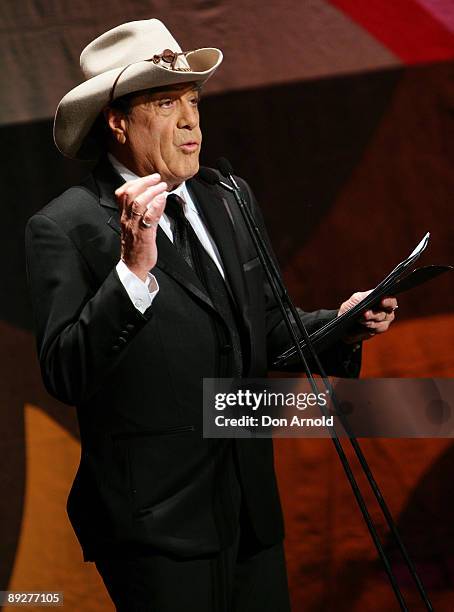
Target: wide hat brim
{"points": [[79, 108]]}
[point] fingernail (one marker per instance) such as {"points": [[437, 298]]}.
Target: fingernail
{"points": [[155, 176]]}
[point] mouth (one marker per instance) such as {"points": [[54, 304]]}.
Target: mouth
{"points": [[190, 146]]}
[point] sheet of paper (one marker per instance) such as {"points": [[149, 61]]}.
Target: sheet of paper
{"points": [[336, 328]]}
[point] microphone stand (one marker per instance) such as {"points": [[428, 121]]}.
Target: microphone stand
{"points": [[281, 295]]}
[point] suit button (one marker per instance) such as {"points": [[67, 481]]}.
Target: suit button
{"points": [[121, 340], [226, 349], [123, 337], [115, 347], [130, 327]]}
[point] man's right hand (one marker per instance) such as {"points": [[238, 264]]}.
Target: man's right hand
{"points": [[140, 201]]}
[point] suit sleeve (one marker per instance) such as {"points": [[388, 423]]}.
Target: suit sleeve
{"points": [[341, 359], [81, 327]]}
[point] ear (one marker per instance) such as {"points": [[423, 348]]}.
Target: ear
{"points": [[117, 124]]}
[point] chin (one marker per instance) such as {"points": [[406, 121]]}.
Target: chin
{"points": [[188, 171]]}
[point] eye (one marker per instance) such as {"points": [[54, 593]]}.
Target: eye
{"points": [[195, 100], [166, 103]]}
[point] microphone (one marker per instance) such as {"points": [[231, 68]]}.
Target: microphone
{"points": [[224, 166], [226, 169], [210, 177]]}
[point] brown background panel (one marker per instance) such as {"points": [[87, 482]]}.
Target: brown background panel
{"points": [[263, 43]]}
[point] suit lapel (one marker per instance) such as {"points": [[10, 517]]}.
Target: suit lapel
{"points": [[219, 225], [107, 181]]}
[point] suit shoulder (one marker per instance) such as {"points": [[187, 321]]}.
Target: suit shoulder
{"points": [[73, 204], [69, 202]]}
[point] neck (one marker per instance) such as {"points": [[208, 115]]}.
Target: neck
{"points": [[128, 160]]}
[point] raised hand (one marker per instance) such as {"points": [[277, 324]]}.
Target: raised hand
{"points": [[141, 203]]}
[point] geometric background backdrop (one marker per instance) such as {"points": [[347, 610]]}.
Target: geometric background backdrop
{"points": [[341, 117]]}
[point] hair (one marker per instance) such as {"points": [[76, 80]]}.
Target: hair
{"points": [[100, 131]]}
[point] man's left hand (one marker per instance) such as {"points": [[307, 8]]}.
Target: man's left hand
{"points": [[372, 322]]}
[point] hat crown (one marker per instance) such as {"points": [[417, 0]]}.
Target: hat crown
{"points": [[128, 43]]}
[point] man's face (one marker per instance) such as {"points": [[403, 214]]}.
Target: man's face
{"points": [[163, 133]]}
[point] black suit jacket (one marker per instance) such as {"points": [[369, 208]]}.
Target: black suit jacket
{"points": [[147, 478]]}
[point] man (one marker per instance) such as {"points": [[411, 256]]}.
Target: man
{"points": [[138, 295]]}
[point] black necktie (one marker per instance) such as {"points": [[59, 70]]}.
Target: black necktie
{"points": [[191, 249], [182, 230]]}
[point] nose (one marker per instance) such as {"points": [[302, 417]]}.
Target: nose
{"points": [[189, 116]]}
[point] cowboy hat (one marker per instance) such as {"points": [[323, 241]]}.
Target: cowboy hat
{"points": [[131, 57]]}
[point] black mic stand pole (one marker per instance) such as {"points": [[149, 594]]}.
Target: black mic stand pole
{"points": [[276, 284], [226, 170]]}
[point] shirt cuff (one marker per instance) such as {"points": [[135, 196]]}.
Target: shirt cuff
{"points": [[141, 293]]}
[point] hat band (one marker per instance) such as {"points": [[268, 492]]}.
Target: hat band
{"points": [[166, 57]]}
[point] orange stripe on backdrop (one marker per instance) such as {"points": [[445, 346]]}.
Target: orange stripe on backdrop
{"points": [[429, 341], [403, 26], [48, 557]]}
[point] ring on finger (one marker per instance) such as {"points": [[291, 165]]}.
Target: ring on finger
{"points": [[135, 212], [146, 224]]}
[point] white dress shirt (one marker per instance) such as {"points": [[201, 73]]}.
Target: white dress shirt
{"points": [[143, 293]]}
